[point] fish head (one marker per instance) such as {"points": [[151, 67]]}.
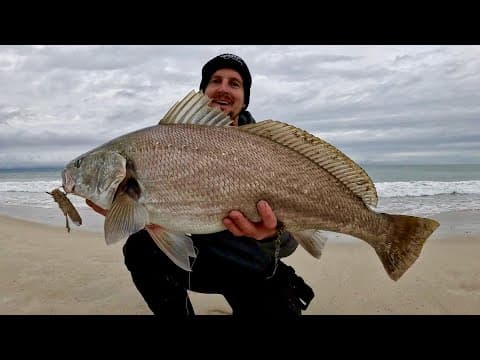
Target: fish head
{"points": [[95, 176]]}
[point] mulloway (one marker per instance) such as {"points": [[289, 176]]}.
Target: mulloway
{"points": [[185, 174]]}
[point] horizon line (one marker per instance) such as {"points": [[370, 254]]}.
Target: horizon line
{"points": [[56, 167]]}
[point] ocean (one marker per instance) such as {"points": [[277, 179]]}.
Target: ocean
{"points": [[422, 190]]}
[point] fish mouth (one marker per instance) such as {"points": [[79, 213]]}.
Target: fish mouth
{"points": [[68, 183]]}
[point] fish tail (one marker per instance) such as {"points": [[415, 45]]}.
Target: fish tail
{"points": [[404, 242]]}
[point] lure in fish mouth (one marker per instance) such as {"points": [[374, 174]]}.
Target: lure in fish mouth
{"points": [[67, 207]]}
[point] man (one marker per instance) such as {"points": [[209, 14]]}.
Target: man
{"points": [[241, 263]]}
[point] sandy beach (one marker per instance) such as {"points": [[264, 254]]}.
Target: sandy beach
{"points": [[45, 270]]}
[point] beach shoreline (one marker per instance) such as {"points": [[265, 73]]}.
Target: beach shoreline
{"points": [[45, 270], [451, 222]]}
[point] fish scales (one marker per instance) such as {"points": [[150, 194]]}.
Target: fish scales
{"points": [[180, 177], [193, 175]]}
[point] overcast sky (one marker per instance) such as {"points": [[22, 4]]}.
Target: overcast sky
{"points": [[396, 104]]}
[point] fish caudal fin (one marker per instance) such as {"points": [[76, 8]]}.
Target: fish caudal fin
{"points": [[313, 241], [404, 243], [125, 217], [178, 247]]}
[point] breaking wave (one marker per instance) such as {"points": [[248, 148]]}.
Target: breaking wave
{"points": [[427, 188]]}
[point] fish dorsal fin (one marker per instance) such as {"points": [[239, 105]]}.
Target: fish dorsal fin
{"points": [[320, 152], [194, 109]]}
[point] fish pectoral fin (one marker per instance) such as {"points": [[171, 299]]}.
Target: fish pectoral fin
{"points": [[178, 247], [312, 240], [125, 217]]}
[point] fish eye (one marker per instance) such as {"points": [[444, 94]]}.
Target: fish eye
{"points": [[77, 163]]}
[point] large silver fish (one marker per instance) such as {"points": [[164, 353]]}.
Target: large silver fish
{"points": [[185, 174]]}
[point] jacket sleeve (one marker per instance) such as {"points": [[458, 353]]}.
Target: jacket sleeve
{"points": [[288, 244]]}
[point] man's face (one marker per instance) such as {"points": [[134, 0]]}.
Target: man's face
{"points": [[225, 88]]}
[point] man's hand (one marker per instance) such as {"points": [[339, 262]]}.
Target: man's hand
{"points": [[97, 208], [239, 225]]}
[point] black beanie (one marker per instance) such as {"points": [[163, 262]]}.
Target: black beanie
{"points": [[229, 61]]}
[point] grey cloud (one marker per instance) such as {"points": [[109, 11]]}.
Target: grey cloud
{"points": [[136, 117], [377, 102], [46, 139], [84, 58], [7, 114], [125, 93]]}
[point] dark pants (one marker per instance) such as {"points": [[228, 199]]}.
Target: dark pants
{"points": [[164, 285]]}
